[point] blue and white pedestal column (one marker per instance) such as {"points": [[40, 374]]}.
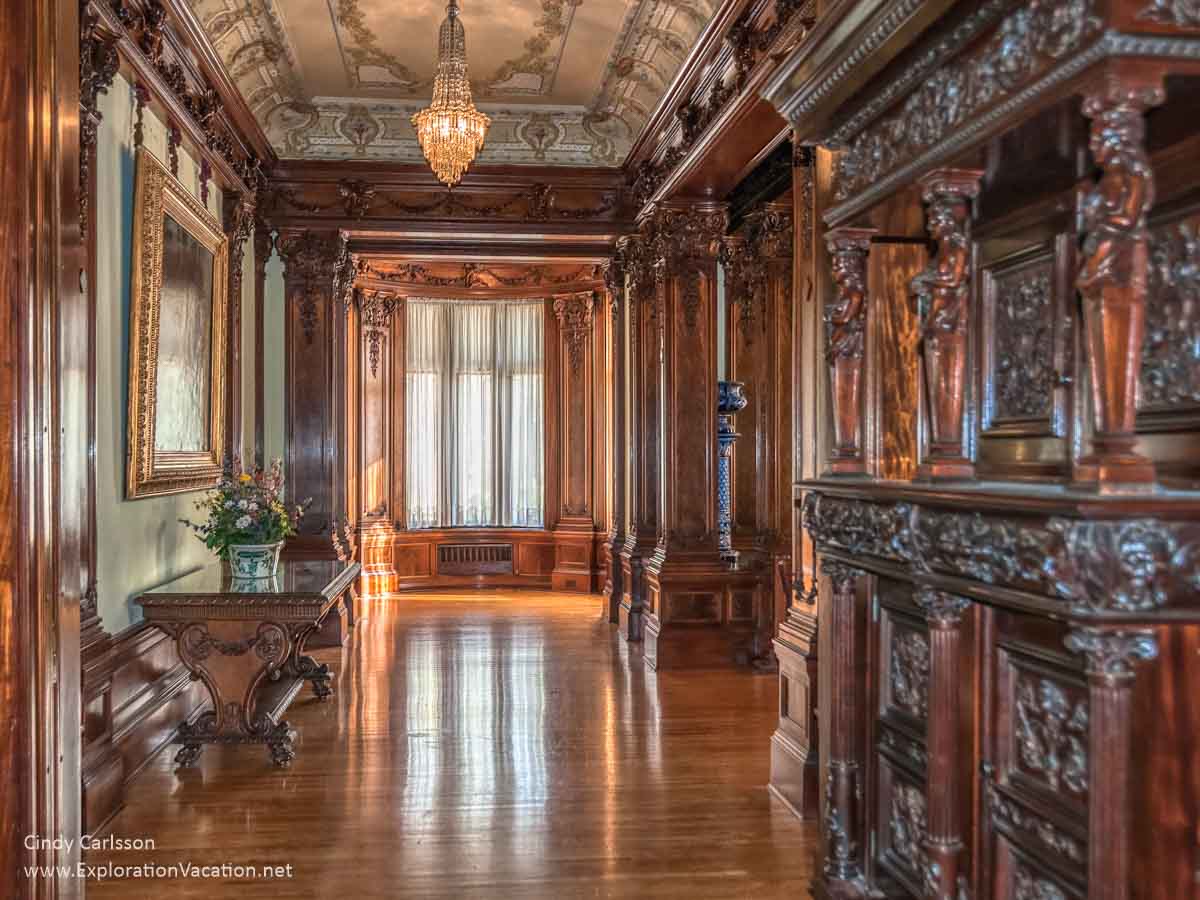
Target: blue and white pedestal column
{"points": [[731, 398]]}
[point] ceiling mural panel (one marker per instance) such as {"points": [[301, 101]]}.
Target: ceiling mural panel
{"points": [[566, 82]]}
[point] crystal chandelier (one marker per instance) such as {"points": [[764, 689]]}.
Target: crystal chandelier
{"points": [[451, 130]]}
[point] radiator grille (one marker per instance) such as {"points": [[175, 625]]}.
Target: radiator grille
{"points": [[475, 559]]}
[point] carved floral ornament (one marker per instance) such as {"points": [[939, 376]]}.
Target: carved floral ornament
{"points": [[375, 308], [1093, 566], [315, 265], [476, 275], [764, 245]]}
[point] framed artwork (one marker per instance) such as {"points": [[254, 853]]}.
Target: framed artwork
{"points": [[177, 338]]}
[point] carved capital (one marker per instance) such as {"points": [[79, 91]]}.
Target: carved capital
{"points": [[1110, 655], [842, 577], [691, 231], [942, 610], [574, 313], [312, 264]]}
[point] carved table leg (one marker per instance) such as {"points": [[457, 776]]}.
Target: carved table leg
{"points": [[304, 666]]}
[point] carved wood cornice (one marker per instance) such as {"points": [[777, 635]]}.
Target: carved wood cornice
{"points": [[574, 314], [716, 91], [1087, 568], [160, 62], [383, 194]]}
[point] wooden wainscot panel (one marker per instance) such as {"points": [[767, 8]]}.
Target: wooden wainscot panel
{"points": [[413, 560], [535, 558], [702, 621], [472, 557], [152, 694]]}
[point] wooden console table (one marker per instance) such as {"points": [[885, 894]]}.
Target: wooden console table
{"points": [[245, 640]]}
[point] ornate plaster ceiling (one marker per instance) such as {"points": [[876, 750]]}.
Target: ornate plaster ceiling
{"points": [[568, 82]]}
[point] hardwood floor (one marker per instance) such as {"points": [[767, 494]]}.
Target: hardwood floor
{"points": [[487, 745]]}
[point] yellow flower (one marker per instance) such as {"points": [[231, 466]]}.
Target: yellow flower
{"points": [[244, 478]]}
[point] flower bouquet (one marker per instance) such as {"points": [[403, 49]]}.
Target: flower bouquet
{"points": [[247, 520]]}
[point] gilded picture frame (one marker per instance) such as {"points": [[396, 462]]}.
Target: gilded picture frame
{"points": [[177, 340]]}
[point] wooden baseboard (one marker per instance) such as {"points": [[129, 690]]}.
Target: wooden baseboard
{"points": [[147, 694]]}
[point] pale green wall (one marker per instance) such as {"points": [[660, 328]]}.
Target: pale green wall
{"points": [[273, 351], [140, 542]]}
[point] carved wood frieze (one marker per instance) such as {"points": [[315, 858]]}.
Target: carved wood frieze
{"points": [[477, 275], [1050, 733], [1113, 280], [574, 314], [1170, 373], [1029, 42], [1093, 566], [356, 198]]}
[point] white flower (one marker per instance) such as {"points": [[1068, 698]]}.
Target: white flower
{"points": [[241, 504], [242, 522], [253, 506], [229, 504]]}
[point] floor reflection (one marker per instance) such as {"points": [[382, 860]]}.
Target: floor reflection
{"points": [[487, 745]]}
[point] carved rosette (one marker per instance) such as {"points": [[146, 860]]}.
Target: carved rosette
{"points": [[574, 314], [376, 307], [845, 322], [311, 262], [941, 293], [1113, 280]]}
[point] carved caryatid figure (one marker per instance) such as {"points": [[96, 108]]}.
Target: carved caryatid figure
{"points": [[941, 293], [845, 318], [1113, 278], [941, 289], [1114, 211]]}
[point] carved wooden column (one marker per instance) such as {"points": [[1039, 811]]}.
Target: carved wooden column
{"points": [[314, 383], [642, 432], [845, 320], [840, 823], [699, 611], [614, 280], [1112, 281], [239, 222], [942, 293], [574, 529], [943, 839], [377, 379], [1110, 657]]}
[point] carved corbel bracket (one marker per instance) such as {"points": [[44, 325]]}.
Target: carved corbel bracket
{"points": [[942, 295], [845, 323], [1112, 280], [574, 314], [375, 308]]}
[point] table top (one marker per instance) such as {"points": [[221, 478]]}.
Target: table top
{"points": [[300, 588]]}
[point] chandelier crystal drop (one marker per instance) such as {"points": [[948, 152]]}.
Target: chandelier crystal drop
{"points": [[451, 130]]}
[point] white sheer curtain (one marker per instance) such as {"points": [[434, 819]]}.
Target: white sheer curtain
{"points": [[474, 413]]}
